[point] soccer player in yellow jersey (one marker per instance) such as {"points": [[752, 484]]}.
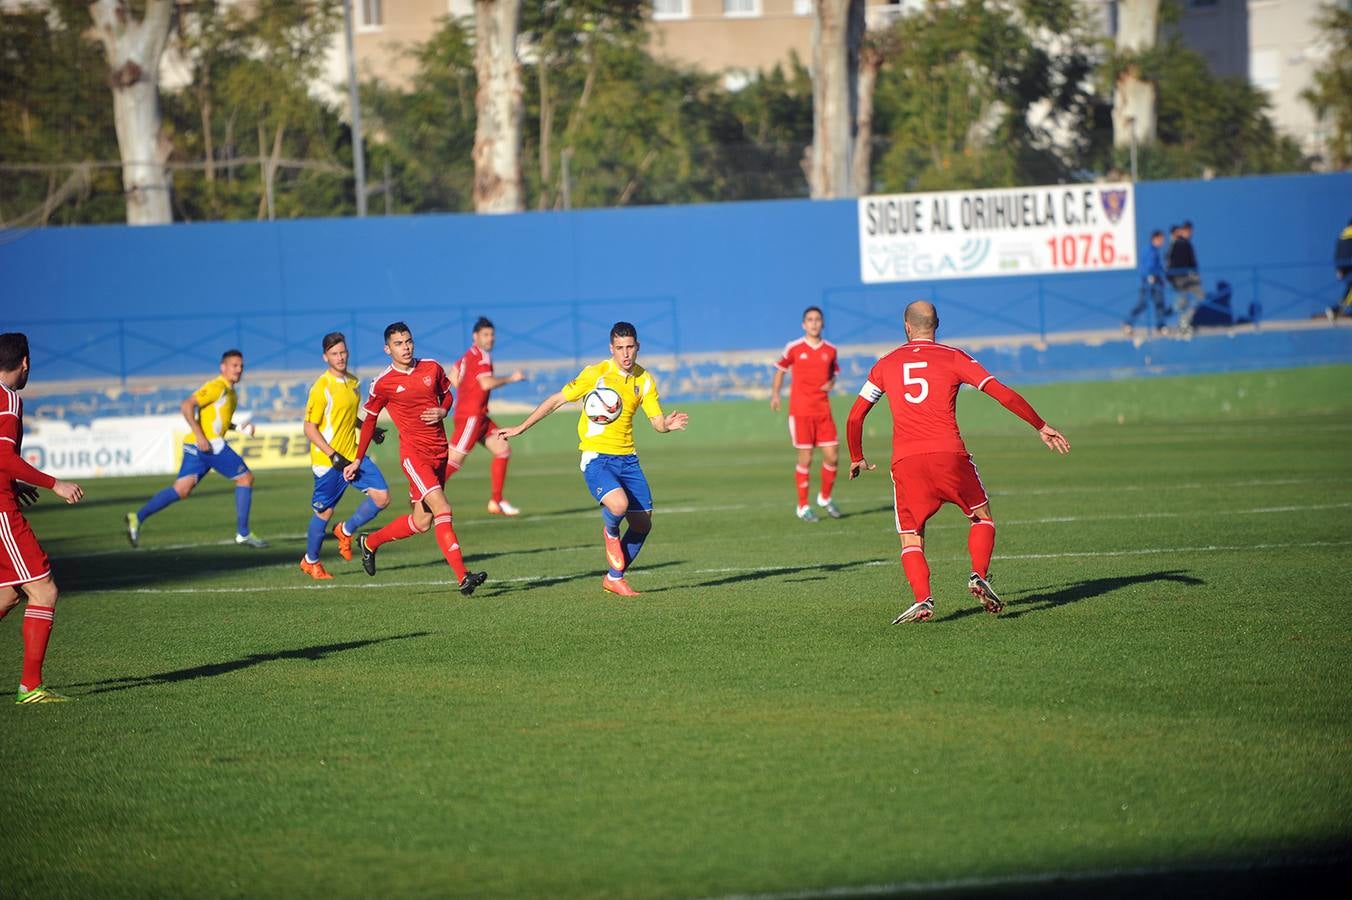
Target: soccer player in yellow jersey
{"points": [[209, 412], [609, 464], [331, 424]]}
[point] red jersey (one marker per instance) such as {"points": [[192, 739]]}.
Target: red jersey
{"points": [[473, 398], [811, 368], [921, 380], [12, 465], [406, 395]]}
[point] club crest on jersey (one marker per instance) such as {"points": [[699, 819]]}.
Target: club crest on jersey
{"points": [[427, 380], [1114, 204]]}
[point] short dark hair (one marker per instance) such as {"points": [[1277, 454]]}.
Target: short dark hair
{"points": [[1187, 223], [1156, 233], [332, 338], [814, 309], [231, 352], [482, 323], [397, 328], [622, 329], [13, 350]]}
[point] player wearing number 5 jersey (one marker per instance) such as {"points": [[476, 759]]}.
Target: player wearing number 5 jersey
{"points": [[930, 463]]}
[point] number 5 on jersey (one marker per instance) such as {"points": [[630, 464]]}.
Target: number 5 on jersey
{"points": [[909, 379]]}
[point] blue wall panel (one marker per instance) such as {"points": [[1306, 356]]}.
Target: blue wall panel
{"points": [[113, 301]]}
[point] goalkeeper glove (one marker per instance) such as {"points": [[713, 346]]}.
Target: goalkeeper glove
{"points": [[339, 460], [379, 435]]}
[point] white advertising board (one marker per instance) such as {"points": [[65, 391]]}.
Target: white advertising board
{"points": [[997, 231], [133, 445]]}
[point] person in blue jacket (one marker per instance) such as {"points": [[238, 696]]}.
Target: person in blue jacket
{"points": [[1152, 285]]}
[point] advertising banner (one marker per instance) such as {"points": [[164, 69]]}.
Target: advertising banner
{"points": [[133, 445], [997, 231], [272, 446]]}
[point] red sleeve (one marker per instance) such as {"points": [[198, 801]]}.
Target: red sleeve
{"points": [[11, 463], [444, 385], [375, 402], [784, 358], [368, 431], [1011, 400], [970, 371], [854, 428], [835, 364]]}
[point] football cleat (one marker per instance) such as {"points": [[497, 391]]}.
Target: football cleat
{"points": [[40, 694], [502, 508], [134, 529], [344, 541], [981, 589], [614, 552], [807, 515], [368, 556], [618, 586], [471, 581], [918, 612], [315, 570], [250, 540], [831, 509]]}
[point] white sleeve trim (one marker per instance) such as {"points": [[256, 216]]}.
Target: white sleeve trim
{"points": [[982, 385], [871, 392], [10, 439]]}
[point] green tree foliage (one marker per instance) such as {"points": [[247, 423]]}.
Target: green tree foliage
{"points": [[1207, 124], [55, 107], [1331, 95], [983, 94]]}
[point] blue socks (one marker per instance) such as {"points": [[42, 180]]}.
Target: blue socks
{"points": [[364, 513], [314, 537], [243, 498], [157, 503], [632, 542], [612, 522]]}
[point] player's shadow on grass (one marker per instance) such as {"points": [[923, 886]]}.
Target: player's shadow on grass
{"points": [[211, 670], [552, 580], [818, 571], [162, 569], [1037, 601], [470, 558]]}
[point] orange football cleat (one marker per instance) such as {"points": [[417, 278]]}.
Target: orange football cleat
{"points": [[614, 552], [618, 586], [344, 541], [315, 570]]}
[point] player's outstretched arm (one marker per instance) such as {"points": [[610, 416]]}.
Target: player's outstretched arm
{"points": [[670, 422], [854, 437], [547, 406], [16, 468], [1054, 439]]}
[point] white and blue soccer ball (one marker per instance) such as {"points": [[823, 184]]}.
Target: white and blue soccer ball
{"points": [[602, 406]]}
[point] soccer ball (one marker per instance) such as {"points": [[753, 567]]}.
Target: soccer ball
{"points": [[602, 405]]}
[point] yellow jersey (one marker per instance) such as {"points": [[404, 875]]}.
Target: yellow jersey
{"points": [[332, 406], [216, 402], [636, 389]]}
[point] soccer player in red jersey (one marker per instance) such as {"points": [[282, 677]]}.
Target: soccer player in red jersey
{"points": [[24, 569], [418, 395], [473, 377], [930, 463], [812, 360]]}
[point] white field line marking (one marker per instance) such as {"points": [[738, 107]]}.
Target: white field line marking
{"points": [[526, 579], [1032, 879]]}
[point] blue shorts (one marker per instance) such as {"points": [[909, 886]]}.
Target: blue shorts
{"points": [[604, 472], [329, 487], [197, 463]]}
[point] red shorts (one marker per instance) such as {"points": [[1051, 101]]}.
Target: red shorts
{"points": [[424, 475], [923, 483], [21, 556], [471, 430], [807, 432]]}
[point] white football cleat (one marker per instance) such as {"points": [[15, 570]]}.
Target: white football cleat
{"points": [[502, 508], [250, 540], [807, 515], [918, 612], [831, 509]]}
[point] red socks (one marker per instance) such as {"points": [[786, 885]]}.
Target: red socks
{"points": [[499, 474], [394, 530], [449, 544], [917, 572], [801, 477], [981, 544], [37, 628], [828, 480]]}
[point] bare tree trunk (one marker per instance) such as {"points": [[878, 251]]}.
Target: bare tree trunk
{"points": [[870, 63], [499, 106], [1133, 97], [546, 126], [832, 96], [133, 49]]}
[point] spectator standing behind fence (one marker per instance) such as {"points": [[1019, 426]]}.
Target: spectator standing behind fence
{"points": [[1342, 264], [1152, 286], [1182, 269]]}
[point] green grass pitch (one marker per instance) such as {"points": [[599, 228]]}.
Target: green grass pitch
{"points": [[1167, 690]]}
